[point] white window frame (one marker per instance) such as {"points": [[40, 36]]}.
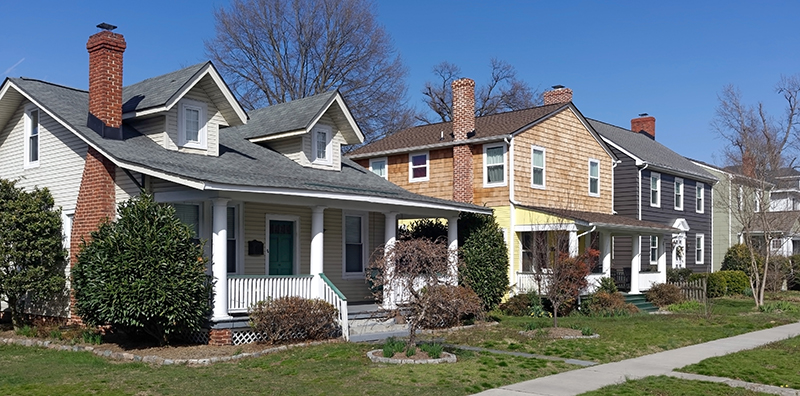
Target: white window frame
{"points": [[653, 249], [385, 161], [364, 244], [678, 193], [202, 135], [657, 176], [700, 198], [238, 233], [328, 131], [544, 167], [597, 193], [29, 110], [700, 242], [486, 148], [411, 166]]}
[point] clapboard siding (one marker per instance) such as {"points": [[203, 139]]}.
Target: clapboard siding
{"points": [[124, 186], [61, 158], [626, 183], [213, 120], [337, 140], [154, 127], [292, 148]]}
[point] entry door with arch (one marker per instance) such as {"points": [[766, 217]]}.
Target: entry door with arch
{"points": [[281, 247]]}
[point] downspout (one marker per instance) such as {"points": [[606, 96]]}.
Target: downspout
{"points": [[511, 211], [594, 227]]}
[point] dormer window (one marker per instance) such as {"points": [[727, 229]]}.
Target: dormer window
{"points": [[31, 137], [192, 131], [321, 146]]}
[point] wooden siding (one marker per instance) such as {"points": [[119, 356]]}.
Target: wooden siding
{"points": [[440, 174], [488, 196], [626, 183], [568, 148], [61, 158], [725, 225], [213, 120]]}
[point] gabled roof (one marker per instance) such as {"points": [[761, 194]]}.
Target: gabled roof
{"points": [[487, 128], [785, 222], [241, 165], [733, 173], [160, 93], [603, 220], [645, 150]]}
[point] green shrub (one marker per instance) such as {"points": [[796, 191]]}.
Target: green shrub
{"points": [[587, 331], [777, 307], [26, 331], [91, 337], [610, 304], [433, 349], [738, 258], [411, 350], [431, 229], [735, 282], [289, 319], [678, 275], [716, 286], [485, 267], [664, 294], [449, 306], [392, 346], [520, 304], [56, 334], [686, 306], [607, 284]]}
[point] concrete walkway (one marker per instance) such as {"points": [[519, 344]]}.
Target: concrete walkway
{"points": [[663, 363]]}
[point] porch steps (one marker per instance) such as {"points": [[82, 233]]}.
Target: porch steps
{"points": [[368, 323], [640, 302]]}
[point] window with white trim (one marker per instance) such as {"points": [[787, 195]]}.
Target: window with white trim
{"points": [[418, 167], [379, 166], [192, 128], [776, 244], [700, 199], [594, 178], [655, 189], [355, 244], [653, 249], [232, 232], [322, 145], [494, 165], [189, 214], [699, 248], [678, 193], [538, 171], [32, 129]]}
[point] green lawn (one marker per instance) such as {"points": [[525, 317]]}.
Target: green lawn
{"points": [[668, 386], [332, 369], [626, 337], [774, 364]]}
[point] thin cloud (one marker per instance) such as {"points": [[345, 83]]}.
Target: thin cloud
{"points": [[10, 69]]}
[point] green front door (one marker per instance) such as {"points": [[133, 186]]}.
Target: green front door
{"points": [[281, 247]]}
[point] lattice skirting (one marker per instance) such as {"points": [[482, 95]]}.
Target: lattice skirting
{"points": [[247, 335], [197, 337]]}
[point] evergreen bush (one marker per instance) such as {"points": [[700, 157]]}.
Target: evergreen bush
{"points": [[485, 268]]}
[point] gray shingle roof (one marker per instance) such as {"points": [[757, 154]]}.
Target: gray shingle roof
{"points": [[240, 163], [285, 117], [157, 91], [649, 150]]}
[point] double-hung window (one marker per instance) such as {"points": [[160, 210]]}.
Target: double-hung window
{"points": [[494, 165], [678, 193], [31, 137], [321, 146], [418, 167], [655, 189], [594, 178], [189, 214], [379, 167], [355, 244], [700, 197], [232, 232], [192, 129], [538, 167], [653, 249], [698, 248]]}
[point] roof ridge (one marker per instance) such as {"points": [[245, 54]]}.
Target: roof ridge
{"points": [[49, 83], [608, 123]]}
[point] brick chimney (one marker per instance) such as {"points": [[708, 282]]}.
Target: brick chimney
{"points": [[559, 94], [646, 124], [97, 195], [463, 124]]}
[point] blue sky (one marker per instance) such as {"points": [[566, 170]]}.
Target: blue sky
{"points": [[621, 58]]}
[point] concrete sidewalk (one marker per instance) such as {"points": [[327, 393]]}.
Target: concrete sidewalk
{"points": [[587, 379]]}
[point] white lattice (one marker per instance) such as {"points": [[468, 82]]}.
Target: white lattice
{"points": [[197, 337], [246, 337]]}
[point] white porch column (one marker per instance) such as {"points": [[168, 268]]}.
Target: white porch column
{"points": [[605, 252], [662, 259], [219, 258], [573, 244], [390, 235], [452, 246], [316, 266], [636, 263]]}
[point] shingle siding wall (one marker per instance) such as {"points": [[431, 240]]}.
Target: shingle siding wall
{"points": [[61, 158]]}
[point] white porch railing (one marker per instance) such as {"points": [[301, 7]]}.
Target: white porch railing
{"points": [[526, 283], [246, 290], [333, 296]]}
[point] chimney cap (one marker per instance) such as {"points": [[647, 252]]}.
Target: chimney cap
{"points": [[643, 114], [558, 86], [106, 26]]}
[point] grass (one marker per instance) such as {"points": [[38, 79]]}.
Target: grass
{"points": [[332, 369], [775, 364], [668, 386], [626, 337]]}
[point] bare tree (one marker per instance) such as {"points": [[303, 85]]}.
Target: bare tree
{"points": [[274, 51], [503, 92], [759, 147]]}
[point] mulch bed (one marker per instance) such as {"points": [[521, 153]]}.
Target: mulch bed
{"points": [[554, 333]]}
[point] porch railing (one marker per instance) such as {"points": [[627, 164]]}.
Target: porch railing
{"points": [[332, 295], [246, 290]]}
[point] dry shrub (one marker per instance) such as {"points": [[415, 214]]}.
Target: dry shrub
{"points": [[664, 294], [289, 319], [449, 306], [520, 304], [610, 304]]}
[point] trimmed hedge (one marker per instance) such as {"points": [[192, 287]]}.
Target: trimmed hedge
{"points": [[724, 283]]}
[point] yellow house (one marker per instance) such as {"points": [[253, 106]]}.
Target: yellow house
{"points": [[545, 172]]}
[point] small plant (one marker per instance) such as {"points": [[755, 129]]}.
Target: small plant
{"points": [[532, 326], [778, 307], [607, 284], [434, 350], [392, 346], [520, 304], [587, 331], [26, 331], [610, 304], [664, 294], [90, 337], [686, 306], [56, 334], [538, 311], [411, 351]]}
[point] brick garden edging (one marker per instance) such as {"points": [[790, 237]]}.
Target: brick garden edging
{"points": [[152, 359]]}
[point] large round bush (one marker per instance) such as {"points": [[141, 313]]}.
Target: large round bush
{"points": [[143, 273]]}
